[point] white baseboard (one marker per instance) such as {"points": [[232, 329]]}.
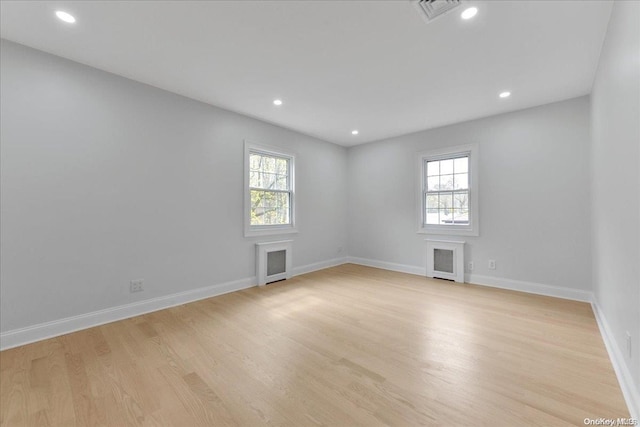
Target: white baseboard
{"points": [[402, 268], [530, 287], [18, 337], [494, 282], [629, 390], [29, 334], [319, 266]]}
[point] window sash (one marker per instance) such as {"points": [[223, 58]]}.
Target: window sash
{"points": [[287, 173], [260, 210], [452, 208]]}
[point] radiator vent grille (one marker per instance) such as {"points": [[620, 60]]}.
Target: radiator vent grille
{"points": [[273, 261], [432, 9], [276, 262], [443, 260]]}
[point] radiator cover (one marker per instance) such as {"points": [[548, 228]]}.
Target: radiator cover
{"points": [[273, 261], [445, 259]]}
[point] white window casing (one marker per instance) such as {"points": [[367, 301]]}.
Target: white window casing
{"points": [[281, 187], [431, 218]]}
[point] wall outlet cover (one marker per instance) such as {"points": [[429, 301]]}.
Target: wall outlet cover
{"points": [[136, 285]]}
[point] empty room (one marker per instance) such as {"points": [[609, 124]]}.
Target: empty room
{"points": [[320, 213]]}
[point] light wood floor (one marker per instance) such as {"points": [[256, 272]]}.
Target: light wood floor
{"points": [[344, 346]]}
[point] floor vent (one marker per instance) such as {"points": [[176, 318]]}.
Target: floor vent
{"points": [[431, 9], [445, 260], [273, 261]]}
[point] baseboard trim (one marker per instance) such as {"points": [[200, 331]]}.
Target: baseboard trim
{"points": [[401, 268], [629, 391], [494, 282], [42, 331], [530, 287], [304, 269]]}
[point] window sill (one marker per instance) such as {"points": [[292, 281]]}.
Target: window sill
{"points": [[269, 231], [448, 231]]}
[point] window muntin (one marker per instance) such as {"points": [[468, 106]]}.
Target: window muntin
{"points": [[446, 191], [270, 189]]}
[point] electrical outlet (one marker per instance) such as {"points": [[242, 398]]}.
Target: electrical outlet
{"points": [[629, 344], [136, 286], [470, 266], [492, 264]]}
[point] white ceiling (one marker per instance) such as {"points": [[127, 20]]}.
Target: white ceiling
{"points": [[376, 66]]}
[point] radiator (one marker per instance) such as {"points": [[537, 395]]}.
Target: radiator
{"points": [[445, 259], [273, 261]]}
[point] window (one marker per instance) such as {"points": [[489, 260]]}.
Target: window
{"points": [[269, 195], [449, 191]]}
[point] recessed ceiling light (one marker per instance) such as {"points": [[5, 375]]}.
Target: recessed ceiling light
{"points": [[469, 13], [505, 94], [354, 132], [66, 17], [277, 102]]}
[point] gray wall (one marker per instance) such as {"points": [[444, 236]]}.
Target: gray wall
{"points": [[105, 180], [616, 180], [534, 195]]}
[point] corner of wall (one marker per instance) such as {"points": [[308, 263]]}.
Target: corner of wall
{"points": [[629, 391]]}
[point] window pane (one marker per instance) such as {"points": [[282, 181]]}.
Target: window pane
{"points": [[282, 215], [433, 183], [446, 182], [446, 216], [257, 210], [433, 168], [254, 161], [446, 201], [461, 200], [268, 180], [432, 201], [269, 164], [461, 181], [282, 182], [461, 165], [282, 166], [254, 179], [446, 167], [432, 216], [270, 206]]}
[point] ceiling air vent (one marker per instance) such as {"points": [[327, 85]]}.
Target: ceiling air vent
{"points": [[435, 8]]}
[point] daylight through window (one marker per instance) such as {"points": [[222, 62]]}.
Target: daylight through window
{"points": [[270, 189], [447, 191]]}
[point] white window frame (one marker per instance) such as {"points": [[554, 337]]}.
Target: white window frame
{"points": [[471, 229], [264, 230]]}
